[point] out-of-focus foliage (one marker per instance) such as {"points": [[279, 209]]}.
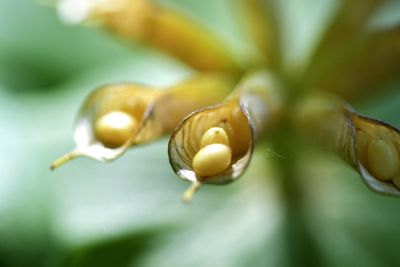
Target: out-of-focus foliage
{"points": [[129, 213]]}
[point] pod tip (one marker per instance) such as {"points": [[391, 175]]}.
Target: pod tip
{"points": [[63, 159], [189, 193]]}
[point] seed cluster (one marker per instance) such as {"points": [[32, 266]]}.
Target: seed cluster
{"points": [[380, 156], [115, 128], [215, 154]]}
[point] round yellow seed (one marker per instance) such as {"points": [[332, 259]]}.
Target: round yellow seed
{"points": [[212, 159], [383, 159], [214, 135], [115, 128]]}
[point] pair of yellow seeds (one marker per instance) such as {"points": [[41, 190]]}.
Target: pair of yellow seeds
{"points": [[380, 156], [215, 154], [115, 128]]}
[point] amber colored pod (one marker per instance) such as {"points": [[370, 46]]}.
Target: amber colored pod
{"points": [[370, 146], [163, 28], [353, 58], [250, 109], [261, 24]]}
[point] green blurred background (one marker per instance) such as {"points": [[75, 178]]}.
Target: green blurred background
{"points": [[129, 213]]}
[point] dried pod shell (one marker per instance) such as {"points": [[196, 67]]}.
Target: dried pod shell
{"points": [[370, 146], [155, 112], [244, 115]]}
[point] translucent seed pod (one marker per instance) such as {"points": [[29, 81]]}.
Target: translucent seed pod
{"points": [[370, 146], [144, 113], [250, 109]]}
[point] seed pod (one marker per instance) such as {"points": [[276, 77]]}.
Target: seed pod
{"points": [[249, 110], [356, 74], [370, 146], [260, 21], [149, 22], [144, 114]]}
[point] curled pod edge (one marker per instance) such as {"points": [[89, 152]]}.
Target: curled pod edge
{"points": [[253, 107]]}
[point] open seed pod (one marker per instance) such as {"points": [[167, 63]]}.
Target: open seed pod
{"points": [[214, 145], [115, 117], [370, 146]]}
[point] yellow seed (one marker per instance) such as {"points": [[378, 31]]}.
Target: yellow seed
{"points": [[115, 128], [214, 135], [212, 159], [383, 159]]}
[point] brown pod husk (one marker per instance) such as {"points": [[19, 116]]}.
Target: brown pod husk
{"points": [[336, 125], [251, 108], [156, 111]]}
